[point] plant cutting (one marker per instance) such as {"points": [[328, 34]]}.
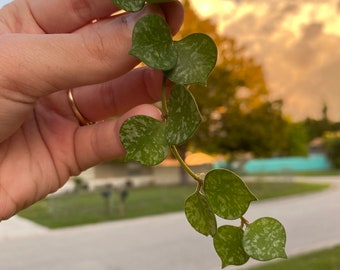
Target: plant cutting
{"points": [[219, 192]]}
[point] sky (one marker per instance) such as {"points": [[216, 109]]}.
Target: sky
{"points": [[2, 2], [296, 42]]}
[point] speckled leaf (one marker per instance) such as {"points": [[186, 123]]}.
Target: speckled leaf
{"points": [[184, 117], [227, 194], [265, 239], [197, 54], [200, 215], [130, 5], [144, 140], [152, 43], [228, 245]]}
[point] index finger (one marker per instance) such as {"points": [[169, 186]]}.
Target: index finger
{"points": [[64, 16]]}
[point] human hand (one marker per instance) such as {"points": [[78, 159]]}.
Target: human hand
{"points": [[46, 48]]}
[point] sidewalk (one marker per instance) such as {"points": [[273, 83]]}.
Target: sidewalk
{"points": [[17, 227]]}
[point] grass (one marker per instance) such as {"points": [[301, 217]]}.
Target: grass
{"points": [[318, 173], [84, 208], [300, 173], [325, 259], [91, 207], [268, 190]]}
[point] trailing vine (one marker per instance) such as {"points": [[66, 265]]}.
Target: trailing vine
{"points": [[219, 192]]}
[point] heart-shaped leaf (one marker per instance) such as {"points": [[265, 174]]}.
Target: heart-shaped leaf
{"points": [[227, 194], [184, 117], [197, 55], [131, 5], [228, 245], [265, 239], [144, 140], [200, 215], [152, 43]]}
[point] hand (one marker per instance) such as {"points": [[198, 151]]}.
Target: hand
{"points": [[46, 48]]}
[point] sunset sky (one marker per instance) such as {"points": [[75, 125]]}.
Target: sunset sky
{"points": [[296, 42]]}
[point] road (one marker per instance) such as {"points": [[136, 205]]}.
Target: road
{"points": [[168, 242]]}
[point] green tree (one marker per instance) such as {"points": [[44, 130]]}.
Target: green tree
{"points": [[333, 148], [297, 140], [237, 113], [316, 128]]}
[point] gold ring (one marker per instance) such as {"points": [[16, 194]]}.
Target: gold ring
{"points": [[82, 120]]}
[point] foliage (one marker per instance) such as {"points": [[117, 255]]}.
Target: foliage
{"points": [[185, 62], [296, 143], [333, 148], [316, 128]]}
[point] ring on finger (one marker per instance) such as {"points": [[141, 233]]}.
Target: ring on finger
{"points": [[83, 121]]}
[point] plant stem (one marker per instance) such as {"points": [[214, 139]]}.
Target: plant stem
{"points": [[244, 221], [165, 110], [185, 166]]}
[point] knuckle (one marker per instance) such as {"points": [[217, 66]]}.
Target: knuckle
{"points": [[81, 8], [95, 45]]}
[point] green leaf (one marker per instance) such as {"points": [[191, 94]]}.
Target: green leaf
{"points": [[200, 215], [265, 239], [144, 140], [228, 245], [197, 54], [152, 43], [227, 194], [184, 117], [131, 5]]}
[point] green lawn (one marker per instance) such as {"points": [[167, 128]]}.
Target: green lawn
{"points": [[328, 259], [300, 173], [83, 208]]}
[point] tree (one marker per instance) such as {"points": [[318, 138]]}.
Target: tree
{"points": [[237, 113], [333, 148], [296, 143], [316, 128]]}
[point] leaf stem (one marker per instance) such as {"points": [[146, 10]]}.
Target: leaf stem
{"points": [[165, 110], [244, 221], [185, 166]]}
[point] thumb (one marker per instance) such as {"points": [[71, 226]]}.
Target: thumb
{"points": [[105, 138]]}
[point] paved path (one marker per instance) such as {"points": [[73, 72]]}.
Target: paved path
{"points": [[18, 227], [166, 242]]}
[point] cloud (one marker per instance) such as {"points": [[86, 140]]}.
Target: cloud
{"points": [[297, 43]]}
